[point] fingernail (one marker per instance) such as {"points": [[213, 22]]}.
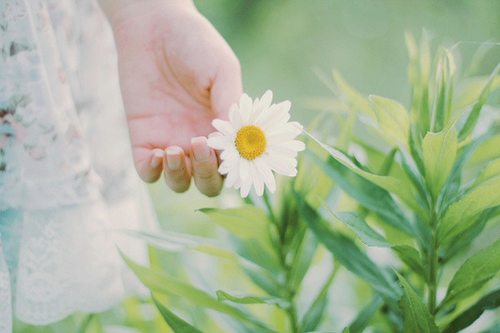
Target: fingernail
{"points": [[200, 148], [174, 157], [157, 158]]}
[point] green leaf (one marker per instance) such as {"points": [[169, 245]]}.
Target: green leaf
{"points": [[346, 330], [462, 214], [370, 237], [473, 117], [469, 316], [471, 90], [252, 299], [303, 259], [487, 150], [265, 281], [355, 99], [388, 183], [246, 222], [158, 281], [416, 315], [473, 274], [491, 170], [392, 118], [439, 153], [369, 195], [463, 241], [367, 235], [251, 227], [410, 256], [176, 242], [177, 324], [349, 255], [363, 318], [445, 72], [315, 313]]}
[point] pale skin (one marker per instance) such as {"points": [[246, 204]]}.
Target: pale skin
{"points": [[176, 75]]}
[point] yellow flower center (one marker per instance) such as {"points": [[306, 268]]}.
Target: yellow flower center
{"points": [[250, 142]]}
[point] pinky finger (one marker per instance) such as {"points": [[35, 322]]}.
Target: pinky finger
{"points": [[149, 163]]}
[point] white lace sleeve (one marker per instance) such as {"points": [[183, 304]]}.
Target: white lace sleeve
{"points": [[66, 176]]}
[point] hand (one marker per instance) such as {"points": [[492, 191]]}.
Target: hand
{"points": [[176, 75]]}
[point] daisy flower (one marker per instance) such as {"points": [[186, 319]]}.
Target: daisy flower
{"points": [[257, 140]]}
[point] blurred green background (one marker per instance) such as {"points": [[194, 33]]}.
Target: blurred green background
{"points": [[283, 44]]}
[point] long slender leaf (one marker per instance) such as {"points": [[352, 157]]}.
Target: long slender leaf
{"points": [[249, 227], [158, 281], [177, 324], [349, 255], [314, 314], [370, 237], [367, 235], [473, 117], [388, 183], [461, 215], [466, 318], [416, 315], [252, 299], [363, 318], [474, 273], [368, 195]]}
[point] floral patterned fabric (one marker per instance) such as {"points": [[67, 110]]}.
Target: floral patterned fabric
{"points": [[66, 176]]}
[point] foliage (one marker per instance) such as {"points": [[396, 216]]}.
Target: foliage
{"points": [[424, 194], [432, 190]]}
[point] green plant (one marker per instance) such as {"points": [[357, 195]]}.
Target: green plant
{"points": [[268, 246], [432, 190], [423, 184]]}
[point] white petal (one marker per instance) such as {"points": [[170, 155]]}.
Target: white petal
{"points": [[276, 115], [229, 154], [266, 99], [244, 170], [245, 188], [281, 165], [234, 116], [288, 147], [225, 167], [223, 126], [257, 179], [281, 150], [246, 107], [231, 178], [219, 142], [285, 132], [266, 173]]}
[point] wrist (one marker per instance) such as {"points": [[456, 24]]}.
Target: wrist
{"points": [[119, 12]]}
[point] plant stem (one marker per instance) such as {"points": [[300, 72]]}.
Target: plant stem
{"points": [[292, 315], [432, 277], [267, 202], [433, 263]]}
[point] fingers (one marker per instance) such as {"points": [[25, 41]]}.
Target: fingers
{"points": [[227, 87], [177, 170], [148, 163], [204, 166]]}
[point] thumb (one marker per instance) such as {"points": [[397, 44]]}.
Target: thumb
{"points": [[227, 88]]}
